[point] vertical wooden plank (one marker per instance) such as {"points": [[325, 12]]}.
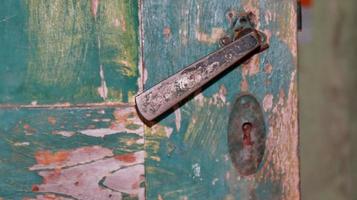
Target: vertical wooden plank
{"points": [[62, 62], [187, 153]]}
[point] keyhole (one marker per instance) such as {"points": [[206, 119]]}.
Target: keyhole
{"points": [[247, 128], [246, 135]]}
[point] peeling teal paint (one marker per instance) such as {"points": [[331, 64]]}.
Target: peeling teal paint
{"points": [[202, 139], [18, 147], [51, 51], [187, 153]]}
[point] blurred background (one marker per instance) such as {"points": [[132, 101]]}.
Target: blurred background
{"points": [[328, 97]]}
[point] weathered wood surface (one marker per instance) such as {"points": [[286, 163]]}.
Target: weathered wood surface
{"points": [[60, 60], [68, 51], [71, 154], [187, 153]]}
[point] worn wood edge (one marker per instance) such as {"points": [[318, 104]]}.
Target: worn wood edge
{"points": [[141, 65], [66, 105], [293, 191]]}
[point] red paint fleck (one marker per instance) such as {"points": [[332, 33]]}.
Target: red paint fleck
{"points": [[35, 188], [129, 158], [113, 126], [47, 157], [306, 3]]}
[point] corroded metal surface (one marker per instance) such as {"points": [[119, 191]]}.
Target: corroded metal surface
{"points": [[168, 93], [246, 134]]}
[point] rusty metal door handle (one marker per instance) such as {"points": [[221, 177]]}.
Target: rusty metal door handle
{"points": [[171, 91]]}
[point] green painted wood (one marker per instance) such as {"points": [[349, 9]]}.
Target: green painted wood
{"points": [[71, 153], [61, 62], [87, 52], [68, 51], [187, 152]]}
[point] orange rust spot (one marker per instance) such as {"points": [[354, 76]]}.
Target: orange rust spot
{"points": [[167, 32], [35, 188], [47, 157], [129, 158], [52, 120]]}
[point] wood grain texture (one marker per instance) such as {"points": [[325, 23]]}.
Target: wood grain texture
{"points": [[71, 52], [68, 51], [187, 153], [71, 154], [64, 65]]}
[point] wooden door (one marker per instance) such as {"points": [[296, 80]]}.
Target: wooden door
{"points": [[69, 71]]}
